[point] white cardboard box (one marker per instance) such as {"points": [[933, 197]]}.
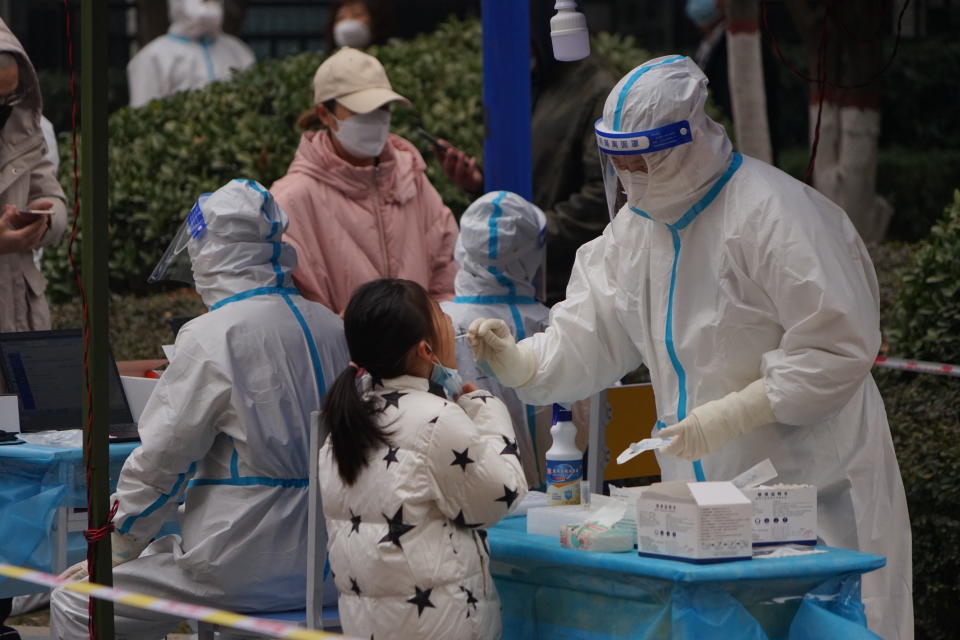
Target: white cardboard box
{"points": [[694, 521], [784, 513]]}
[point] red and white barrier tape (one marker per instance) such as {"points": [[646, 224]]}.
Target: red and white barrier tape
{"points": [[271, 628], [936, 368]]}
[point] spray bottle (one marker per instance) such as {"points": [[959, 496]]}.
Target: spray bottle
{"points": [[564, 460]]}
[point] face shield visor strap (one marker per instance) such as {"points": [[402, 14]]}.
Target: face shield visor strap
{"points": [[175, 264], [616, 144]]}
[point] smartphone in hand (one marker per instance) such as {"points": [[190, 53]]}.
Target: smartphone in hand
{"points": [[437, 145]]}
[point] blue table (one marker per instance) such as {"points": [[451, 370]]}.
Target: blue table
{"points": [[551, 592], [38, 486]]}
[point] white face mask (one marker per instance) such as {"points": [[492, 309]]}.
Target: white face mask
{"points": [[635, 184], [202, 18], [351, 33], [363, 135]]}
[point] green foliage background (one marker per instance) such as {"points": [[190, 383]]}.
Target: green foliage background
{"points": [[164, 154], [922, 317]]}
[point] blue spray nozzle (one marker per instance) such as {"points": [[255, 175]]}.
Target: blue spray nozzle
{"points": [[561, 414]]}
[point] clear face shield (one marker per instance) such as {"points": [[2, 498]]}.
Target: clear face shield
{"points": [[176, 265], [623, 158]]}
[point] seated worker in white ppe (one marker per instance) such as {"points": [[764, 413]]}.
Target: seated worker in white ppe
{"points": [[500, 252], [193, 53], [228, 425], [754, 304]]}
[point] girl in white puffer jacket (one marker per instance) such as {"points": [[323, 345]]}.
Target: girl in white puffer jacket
{"points": [[409, 478]]}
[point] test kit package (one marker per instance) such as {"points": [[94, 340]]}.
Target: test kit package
{"points": [[698, 522], [783, 513]]}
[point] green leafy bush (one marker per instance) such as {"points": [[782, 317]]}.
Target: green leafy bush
{"points": [[926, 321], [166, 153], [923, 322]]}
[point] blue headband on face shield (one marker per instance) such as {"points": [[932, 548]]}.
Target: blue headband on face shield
{"points": [[623, 144]]}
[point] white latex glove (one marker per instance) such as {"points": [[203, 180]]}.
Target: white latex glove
{"points": [[76, 573], [123, 549], [711, 425], [491, 341]]}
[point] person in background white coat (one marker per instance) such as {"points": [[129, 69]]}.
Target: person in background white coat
{"points": [[228, 425], [193, 53], [500, 251], [754, 304]]}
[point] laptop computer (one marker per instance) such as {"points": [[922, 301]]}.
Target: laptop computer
{"points": [[45, 370]]}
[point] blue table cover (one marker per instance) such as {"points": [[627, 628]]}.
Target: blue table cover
{"points": [[551, 592], [34, 482]]}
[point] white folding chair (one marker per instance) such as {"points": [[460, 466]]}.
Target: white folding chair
{"points": [[314, 615]]}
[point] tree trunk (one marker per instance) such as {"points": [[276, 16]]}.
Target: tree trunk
{"points": [[745, 69], [847, 147]]}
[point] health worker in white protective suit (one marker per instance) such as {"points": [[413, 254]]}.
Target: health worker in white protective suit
{"points": [[500, 252], [228, 425], [193, 53], [753, 302]]}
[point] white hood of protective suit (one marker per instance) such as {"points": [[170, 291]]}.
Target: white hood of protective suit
{"points": [[241, 249], [500, 247], [656, 94], [195, 18]]}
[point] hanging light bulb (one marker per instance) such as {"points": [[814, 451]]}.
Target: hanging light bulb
{"points": [[568, 31]]}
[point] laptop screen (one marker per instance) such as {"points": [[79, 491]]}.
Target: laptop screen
{"points": [[45, 369]]}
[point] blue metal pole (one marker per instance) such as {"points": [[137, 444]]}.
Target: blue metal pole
{"points": [[506, 96]]}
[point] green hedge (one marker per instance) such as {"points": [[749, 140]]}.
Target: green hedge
{"points": [[923, 322], [164, 154]]}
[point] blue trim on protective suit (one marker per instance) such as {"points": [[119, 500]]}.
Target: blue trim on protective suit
{"points": [[159, 502], [632, 81], [497, 213], [204, 44], [311, 346], [675, 229], [251, 481], [494, 300], [251, 293], [211, 71], [235, 463]]}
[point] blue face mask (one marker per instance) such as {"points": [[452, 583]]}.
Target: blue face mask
{"points": [[447, 378]]}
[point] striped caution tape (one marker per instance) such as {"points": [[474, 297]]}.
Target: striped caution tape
{"points": [[937, 368], [272, 628]]}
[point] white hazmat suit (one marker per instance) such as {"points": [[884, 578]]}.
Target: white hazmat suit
{"points": [[193, 53], [725, 275], [227, 424], [499, 251]]}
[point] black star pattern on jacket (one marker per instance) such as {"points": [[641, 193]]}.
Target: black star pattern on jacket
{"points": [[354, 586], [483, 398], [434, 421], [422, 600], [461, 522], [354, 522], [509, 495], [392, 399], [397, 527], [391, 455], [511, 448], [436, 389], [461, 458], [470, 599]]}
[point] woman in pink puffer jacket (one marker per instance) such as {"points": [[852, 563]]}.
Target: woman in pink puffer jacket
{"points": [[359, 202]]}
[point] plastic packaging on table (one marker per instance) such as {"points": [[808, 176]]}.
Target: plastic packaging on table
{"points": [[593, 536], [64, 438]]}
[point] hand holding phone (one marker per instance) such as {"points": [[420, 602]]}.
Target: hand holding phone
{"points": [[439, 148]]}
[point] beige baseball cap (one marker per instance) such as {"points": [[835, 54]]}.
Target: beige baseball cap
{"points": [[356, 80]]}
